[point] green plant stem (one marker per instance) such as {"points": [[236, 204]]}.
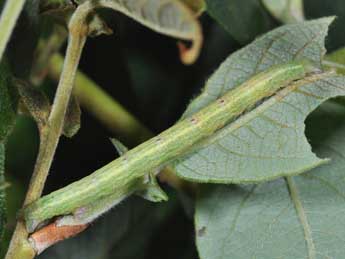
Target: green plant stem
{"points": [[117, 177], [8, 19], [49, 136], [114, 116]]}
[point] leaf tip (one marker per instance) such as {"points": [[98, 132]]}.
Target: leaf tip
{"points": [[190, 55]]}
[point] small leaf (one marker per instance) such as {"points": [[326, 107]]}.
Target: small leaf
{"points": [[97, 26], [299, 217], [72, 118], [237, 18], [151, 190], [287, 11], [35, 101], [120, 148], [267, 142]]}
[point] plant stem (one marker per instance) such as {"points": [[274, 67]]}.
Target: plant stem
{"points": [[50, 134], [119, 175], [114, 116], [8, 19]]}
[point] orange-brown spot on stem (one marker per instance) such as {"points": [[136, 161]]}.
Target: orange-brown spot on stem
{"points": [[52, 234]]}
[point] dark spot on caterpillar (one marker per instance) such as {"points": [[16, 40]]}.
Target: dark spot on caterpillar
{"points": [[194, 120], [221, 101], [201, 232]]}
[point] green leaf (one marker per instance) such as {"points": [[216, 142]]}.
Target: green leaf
{"points": [[7, 101], [321, 8], [297, 217], [237, 18], [120, 148], [7, 117], [2, 191], [268, 141], [287, 11], [151, 190], [336, 60]]}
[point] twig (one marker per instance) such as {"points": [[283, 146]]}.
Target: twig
{"points": [[52, 234], [50, 134]]}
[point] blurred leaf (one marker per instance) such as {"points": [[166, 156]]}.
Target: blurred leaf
{"points": [[15, 194], [320, 8], [7, 118], [336, 60], [197, 6], [269, 141], [2, 191], [123, 233], [244, 20], [8, 104], [300, 217], [287, 11]]}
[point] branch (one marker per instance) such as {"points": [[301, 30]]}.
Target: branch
{"points": [[50, 134]]}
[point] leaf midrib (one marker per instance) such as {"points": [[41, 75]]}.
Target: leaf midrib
{"points": [[295, 198]]}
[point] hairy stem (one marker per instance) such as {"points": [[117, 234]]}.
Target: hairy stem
{"points": [[118, 176], [50, 134], [8, 19]]}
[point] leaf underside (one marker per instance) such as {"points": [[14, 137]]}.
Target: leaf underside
{"points": [[169, 17], [269, 141], [296, 217]]}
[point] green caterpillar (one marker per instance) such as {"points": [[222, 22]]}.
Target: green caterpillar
{"points": [[123, 174]]}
